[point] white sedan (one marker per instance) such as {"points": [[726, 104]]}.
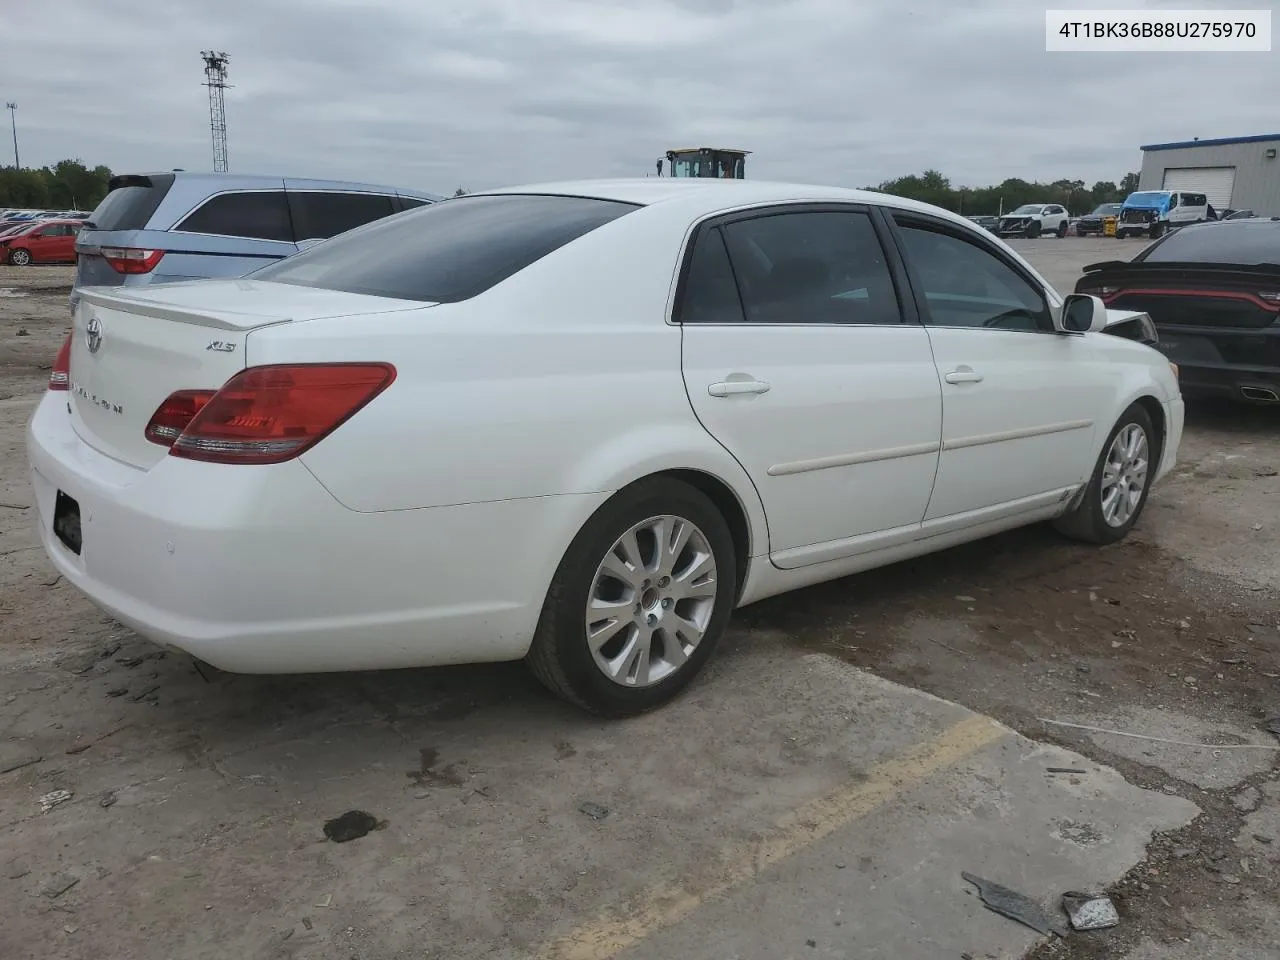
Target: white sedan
{"points": [[577, 424]]}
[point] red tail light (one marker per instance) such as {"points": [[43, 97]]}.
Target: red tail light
{"points": [[267, 414], [60, 375], [174, 415], [131, 259]]}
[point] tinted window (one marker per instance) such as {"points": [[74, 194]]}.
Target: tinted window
{"points": [[966, 285], [319, 216], [709, 294], [446, 252], [410, 202], [811, 267], [130, 202], [257, 214], [1233, 241]]}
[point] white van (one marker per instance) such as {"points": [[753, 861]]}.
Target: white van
{"points": [[1152, 212]]}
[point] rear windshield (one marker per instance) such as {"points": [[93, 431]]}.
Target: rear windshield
{"points": [[1243, 241], [131, 202], [447, 251]]}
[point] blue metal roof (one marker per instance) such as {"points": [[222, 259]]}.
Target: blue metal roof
{"points": [[1221, 142]]}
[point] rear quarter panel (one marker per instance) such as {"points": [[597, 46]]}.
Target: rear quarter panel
{"points": [[564, 379]]}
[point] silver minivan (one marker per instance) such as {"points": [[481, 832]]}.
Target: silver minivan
{"points": [[167, 227]]}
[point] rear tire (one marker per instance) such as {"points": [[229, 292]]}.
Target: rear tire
{"points": [[625, 626], [20, 257], [1118, 488]]}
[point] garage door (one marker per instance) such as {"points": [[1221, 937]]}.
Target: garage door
{"points": [[1214, 182]]}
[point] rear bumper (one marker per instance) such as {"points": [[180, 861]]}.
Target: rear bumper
{"points": [[260, 570], [1210, 361]]}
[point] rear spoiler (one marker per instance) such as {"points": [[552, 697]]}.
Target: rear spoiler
{"points": [[143, 306], [129, 180]]}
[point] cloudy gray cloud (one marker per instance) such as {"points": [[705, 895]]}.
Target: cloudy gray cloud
{"points": [[480, 93]]}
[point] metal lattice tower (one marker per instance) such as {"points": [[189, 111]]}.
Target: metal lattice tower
{"points": [[215, 78]]}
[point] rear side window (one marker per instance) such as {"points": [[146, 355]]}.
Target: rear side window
{"points": [[319, 215], [410, 202], [130, 202], [446, 252], [254, 214], [803, 267], [1245, 242]]}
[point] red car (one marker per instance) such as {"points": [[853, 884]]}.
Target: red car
{"points": [[43, 241]]}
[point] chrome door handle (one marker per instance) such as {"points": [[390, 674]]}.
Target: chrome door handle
{"points": [[728, 388], [963, 375]]}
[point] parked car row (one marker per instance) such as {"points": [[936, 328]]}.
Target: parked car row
{"points": [[308, 469]]}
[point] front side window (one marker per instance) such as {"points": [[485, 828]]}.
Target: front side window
{"points": [[253, 214], [811, 267], [965, 285]]}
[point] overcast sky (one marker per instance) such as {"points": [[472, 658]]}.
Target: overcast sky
{"points": [[435, 94]]}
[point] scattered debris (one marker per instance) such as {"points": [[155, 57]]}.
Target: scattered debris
{"points": [[23, 332], [59, 885], [15, 506], [1016, 906], [352, 825], [1182, 853], [51, 800], [811, 943], [1228, 878], [1090, 911], [108, 799], [967, 599], [306, 922], [1233, 661], [52, 583], [76, 748], [117, 692], [593, 810], [326, 902], [1261, 839], [1273, 726], [17, 761], [1076, 770], [129, 661], [144, 693]]}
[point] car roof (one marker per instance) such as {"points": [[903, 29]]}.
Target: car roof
{"points": [[245, 179], [704, 197]]}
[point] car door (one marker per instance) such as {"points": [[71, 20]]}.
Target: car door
{"points": [[62, 246], [800, 359], [1054, 217], [42, 243], [1023, 405]]}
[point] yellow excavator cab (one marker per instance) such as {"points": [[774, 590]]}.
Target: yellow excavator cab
{"points": [[718, 163]]}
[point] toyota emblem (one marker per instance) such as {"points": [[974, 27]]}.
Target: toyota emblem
{"points": [[93, 334]]}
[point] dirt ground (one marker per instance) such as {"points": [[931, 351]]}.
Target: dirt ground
{"points": [[1166, 647]]}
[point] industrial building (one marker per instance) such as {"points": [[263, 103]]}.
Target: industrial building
{"points": [[1235, 173]]}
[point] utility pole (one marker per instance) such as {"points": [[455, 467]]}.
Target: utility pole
{"points": [[215, 78], [13, 122]]}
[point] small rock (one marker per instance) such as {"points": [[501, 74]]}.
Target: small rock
{"points": [[593, 810], [1182, 853], [811, 943], [352, 825], [1184, 625], [22, 332], [966, 599], [1083, 667], [1261, 839], [1247, 800], [1228, 878], [59, 885], [107, 800]]}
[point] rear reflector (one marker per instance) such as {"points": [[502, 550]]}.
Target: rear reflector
{"points": [[60, 375], [173, 416], [267, 414], [131, 259]]}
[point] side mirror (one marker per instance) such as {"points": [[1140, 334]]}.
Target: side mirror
{"points": [[1082, 313]]}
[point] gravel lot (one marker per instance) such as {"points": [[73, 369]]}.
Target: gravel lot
{"points": [[811, 797]]}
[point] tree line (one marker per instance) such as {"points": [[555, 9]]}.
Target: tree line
{"points": [[932, 187], [67, 185]]}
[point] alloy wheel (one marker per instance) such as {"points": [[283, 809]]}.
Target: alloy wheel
{"points": [[1124, 475]]}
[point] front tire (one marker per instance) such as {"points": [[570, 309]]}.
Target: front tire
{"points": [[639, 601], [1062, 229], [1118, 489], [1033, 229], [20, 257]]}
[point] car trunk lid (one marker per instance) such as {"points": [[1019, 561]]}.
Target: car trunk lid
{"points": [[1222, 296], [129, 352]]}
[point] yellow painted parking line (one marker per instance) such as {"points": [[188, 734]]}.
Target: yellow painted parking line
{"points": [[665, 903]]}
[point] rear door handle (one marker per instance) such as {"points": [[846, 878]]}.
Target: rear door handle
{"points": [[728, 388], [963, 375]]}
